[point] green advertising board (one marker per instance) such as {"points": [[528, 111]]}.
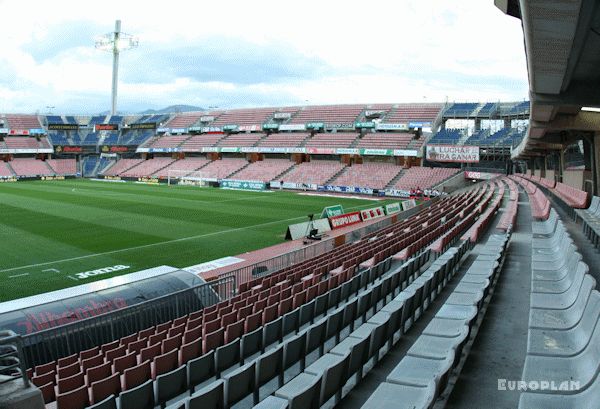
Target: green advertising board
{"points": [[330, 211], [243, 184], [393, 208], [270, 126], [230, 127], [359, 125]]}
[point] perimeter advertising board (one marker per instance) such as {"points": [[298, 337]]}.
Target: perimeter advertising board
{"points": [[453, 153], [344, 220], [372, 213]]}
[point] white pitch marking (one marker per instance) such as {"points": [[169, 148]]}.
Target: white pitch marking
{"points": [[19, 275], [161, 243], [51, 269]]}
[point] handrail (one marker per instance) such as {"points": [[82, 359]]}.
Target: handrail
{"points": [[12, 364]]}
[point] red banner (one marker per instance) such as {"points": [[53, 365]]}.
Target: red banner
{"points": [[344, 220], [18, 132]]}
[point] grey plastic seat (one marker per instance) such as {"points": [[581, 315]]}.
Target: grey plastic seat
{"points": [[201, 369], [307, 313], [239, 384], [303, 393], [140, 397], [170, 385], [252, 342], [315, 339], [584, 399], [583, 367], [565, 318], [547, 271], [465, 298], [272, 333], [227, 357], [457, 312], [567, 342], [291, 321], [393, 396], [210, 397], [442, 327], [434, 347], [108, 403], [422, 372], [563, 300], [562, 285], [294, 351], [272, 402], [268, 367]]}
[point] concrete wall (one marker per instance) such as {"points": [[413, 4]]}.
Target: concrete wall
{"points": [[576, 178], [455, 182], [537, 172], [550, 174]]}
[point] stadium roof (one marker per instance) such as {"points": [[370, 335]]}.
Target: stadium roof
{"points": [[562, 45]]}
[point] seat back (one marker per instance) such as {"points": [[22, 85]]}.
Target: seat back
{"points": [[269, 365], [201, 369], [211, 397], [75, 399], [309, 397], [227, 355], [140, 397], [171, 385], [106, 387], [239, 384]]}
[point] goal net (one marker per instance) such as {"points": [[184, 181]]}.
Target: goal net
{"points": [[187, 177]]}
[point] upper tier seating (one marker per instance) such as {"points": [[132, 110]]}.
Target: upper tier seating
{"points": [[197, 142], [423, 177], [284, 140], [314, 172], [381, 140], [184, 120], [446, 136], [264, 171], [461, 109], [20, 142], [405, 113], [332, 114], [241, 139], [167, 141], [331, 140], [16, 121], [371, 175], [244, 117]]}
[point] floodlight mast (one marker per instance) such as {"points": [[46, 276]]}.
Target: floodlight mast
{"points": [[116, 42]]}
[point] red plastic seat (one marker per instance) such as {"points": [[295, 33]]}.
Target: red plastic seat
{"points": [[103, 388], [136, 376], [74, 399]]}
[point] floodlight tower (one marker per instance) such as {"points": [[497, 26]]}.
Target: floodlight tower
{"points": [[116, 42]]}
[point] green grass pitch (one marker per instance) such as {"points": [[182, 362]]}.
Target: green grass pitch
{"points": [[50, 231]]}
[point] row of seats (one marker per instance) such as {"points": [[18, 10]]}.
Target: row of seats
{"points": [[217, 334], [590, 219], [509, 217], [564, 330], [423, 373], [423, 177], [573, 197], [474, 232], [373, 175], [540, 205]]}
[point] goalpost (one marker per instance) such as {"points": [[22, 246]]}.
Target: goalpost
{"points": [[187, 177]]}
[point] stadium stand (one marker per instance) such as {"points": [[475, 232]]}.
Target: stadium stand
{"points": [[241, 139], [6, 170], [147, 167], [265, 171], [187, 164], [460, 110], [183, 120], [17, 121], [334, 114], [447, 136], [19, 142], [171, 141], [196, 142], [244, 117], [314, 172], [371, 175], [423, 177], [405, 113], [30, 167], [381, 140], [322, 315], [121, 166], [63, 166], [222, 169], [332, 140], [284, 140]]}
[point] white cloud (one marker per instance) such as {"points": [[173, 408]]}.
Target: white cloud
{"points": [[387, 51]]}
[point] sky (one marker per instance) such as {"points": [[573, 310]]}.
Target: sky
{"points": [[237, 54]]}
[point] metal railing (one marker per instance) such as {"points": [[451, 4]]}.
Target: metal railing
{"points": [[12, 364], [54, 343]]}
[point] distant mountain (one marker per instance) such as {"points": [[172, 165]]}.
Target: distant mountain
{"points": [[172, 109]]}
